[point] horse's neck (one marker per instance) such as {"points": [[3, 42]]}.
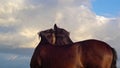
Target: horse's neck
{"points": [[43, 41], [63, 41]]}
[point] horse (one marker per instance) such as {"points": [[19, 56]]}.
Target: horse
{"points": [[92, 53], [82, 54], [47, 38]]}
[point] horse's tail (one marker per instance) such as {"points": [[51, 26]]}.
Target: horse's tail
{"points": [[114, 65]]}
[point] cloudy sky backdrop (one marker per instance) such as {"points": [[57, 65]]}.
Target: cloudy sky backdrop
{"points": [[21, 20]]}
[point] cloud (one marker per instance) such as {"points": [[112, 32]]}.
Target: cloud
{"points": [[8, 7], [65, 3]]}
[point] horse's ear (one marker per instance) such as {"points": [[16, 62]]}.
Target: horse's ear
{"points": [[55, 27]]}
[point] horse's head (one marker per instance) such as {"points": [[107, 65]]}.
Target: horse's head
{"points": [[47, 36], [62, 36]]}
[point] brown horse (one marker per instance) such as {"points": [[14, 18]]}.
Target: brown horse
{"points": [[84, 54]]}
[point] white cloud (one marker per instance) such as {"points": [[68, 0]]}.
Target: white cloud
{"points": [[11, 58], [28, 32], [102, 20], [8, 21], [11, 6], [65, 3], [59, 17]]}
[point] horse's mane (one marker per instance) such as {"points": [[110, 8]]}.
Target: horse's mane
{"points": [[62, 36], [43, 36]]}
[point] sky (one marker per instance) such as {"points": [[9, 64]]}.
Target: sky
{"points": [[106, 7], [21, 20]]}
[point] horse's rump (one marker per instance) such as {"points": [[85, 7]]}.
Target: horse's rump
{"points": [[95, 54]]}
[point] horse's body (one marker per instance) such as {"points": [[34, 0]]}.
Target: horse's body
{"points": [[66, 54], [84, 54]]}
